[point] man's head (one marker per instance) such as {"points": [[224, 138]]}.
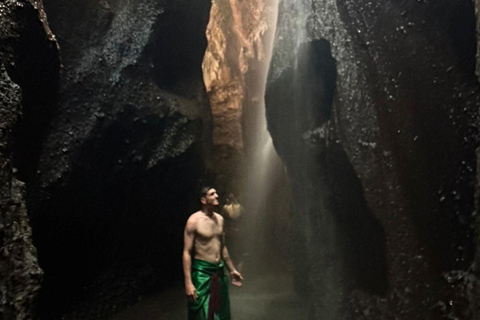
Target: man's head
{"points": [[209, 196]]}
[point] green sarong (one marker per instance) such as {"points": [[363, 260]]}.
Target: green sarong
{"points": [[211, 283]]}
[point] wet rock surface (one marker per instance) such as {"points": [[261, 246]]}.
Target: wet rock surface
{"points": [[234, 62], [118, 172], [389, 177], [109, 145], [21, 274], [29, 62]]}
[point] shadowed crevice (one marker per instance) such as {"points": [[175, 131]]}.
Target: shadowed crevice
{"points": [[362, 236], [179, 46], [316, 76], [35, 66]]}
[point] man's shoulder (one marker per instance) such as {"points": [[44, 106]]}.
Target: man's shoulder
{"points": [[192, 220], [218, 216], [195, 215]]}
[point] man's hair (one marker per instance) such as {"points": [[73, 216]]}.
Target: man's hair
{"points": [[203, 192]]}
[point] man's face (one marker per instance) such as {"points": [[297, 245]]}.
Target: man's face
{"points": [[211, 198]]}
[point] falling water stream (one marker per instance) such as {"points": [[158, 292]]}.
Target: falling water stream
{"points": [[268, 292], [300, 22]]}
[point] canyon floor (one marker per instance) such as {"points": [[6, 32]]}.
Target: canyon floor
{"points": [[265, 295]]}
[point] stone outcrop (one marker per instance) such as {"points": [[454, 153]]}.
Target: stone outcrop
{"points": [[29, 63], [235, 36], [240, 36], [373, 107], [233, 65], [110, 145], [21, 275]]}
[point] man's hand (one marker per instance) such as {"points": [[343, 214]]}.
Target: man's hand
{"points": [[191, 292], [236, 278]]}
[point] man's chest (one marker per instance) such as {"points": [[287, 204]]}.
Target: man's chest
{"points": [[209, 228]]}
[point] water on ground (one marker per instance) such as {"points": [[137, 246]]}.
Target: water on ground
{"points": [[266, 295]]}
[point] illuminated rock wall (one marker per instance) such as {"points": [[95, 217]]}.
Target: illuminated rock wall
{"points": [[373, 106], [235, 34]]}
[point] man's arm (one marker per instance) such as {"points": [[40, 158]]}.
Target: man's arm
{"points": [[188, 239], [234, 274]]}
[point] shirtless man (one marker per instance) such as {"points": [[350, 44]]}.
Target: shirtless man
{"points": [[204, 259]]}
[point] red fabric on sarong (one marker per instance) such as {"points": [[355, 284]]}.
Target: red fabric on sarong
{"points": [[214, 303]]}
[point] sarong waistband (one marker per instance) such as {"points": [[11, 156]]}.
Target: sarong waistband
{"points": [[208, 267]]}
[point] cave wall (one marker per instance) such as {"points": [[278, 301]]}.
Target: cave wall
{"points": [[373, 108], [118, 173], [21, 274], [29, 66], [235, 46], [240, 36], [110, 146], [233, 65]]}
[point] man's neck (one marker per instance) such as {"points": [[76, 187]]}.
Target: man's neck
{"points": [[208, 211]]}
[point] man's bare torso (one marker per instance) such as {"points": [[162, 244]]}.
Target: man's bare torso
{"points": [[208, 241]]}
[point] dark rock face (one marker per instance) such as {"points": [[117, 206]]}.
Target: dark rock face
{"points": [[109, 147], [29, 54], [21, 274], [384, 186], [31, 57]]}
